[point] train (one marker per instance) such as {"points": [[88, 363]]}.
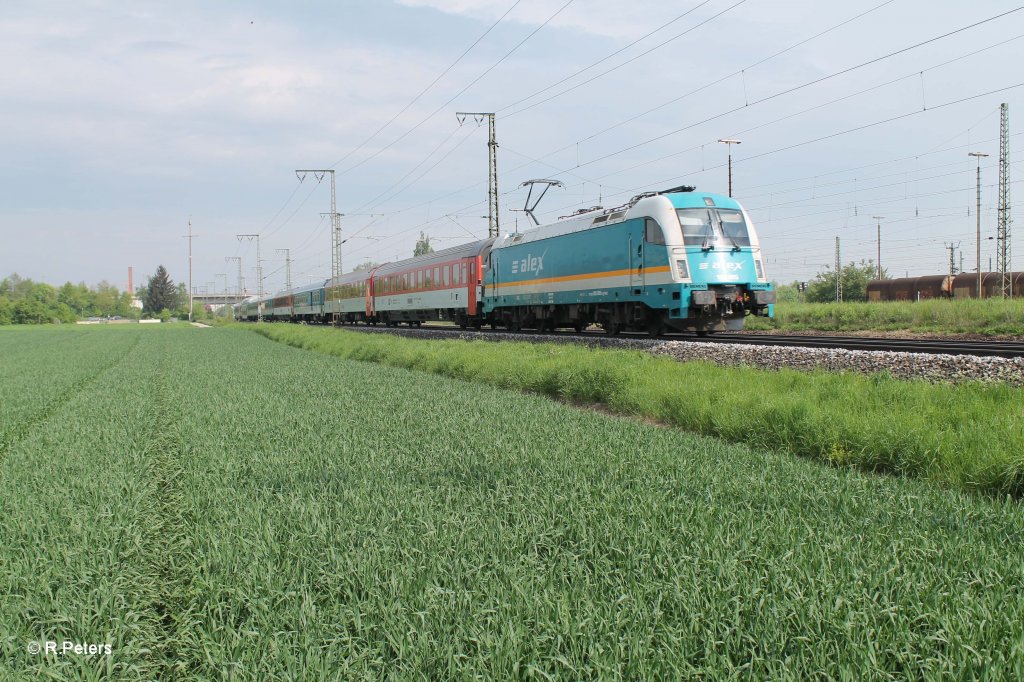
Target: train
{"points": [[964, 285], [671, 260]]}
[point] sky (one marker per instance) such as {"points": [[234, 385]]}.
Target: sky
{"points": [[122, 122]]}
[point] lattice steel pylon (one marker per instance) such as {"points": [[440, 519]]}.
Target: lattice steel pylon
{"points": [[1003, 216], [259, 273], [319, 174], [493, 221], [839, 274]]}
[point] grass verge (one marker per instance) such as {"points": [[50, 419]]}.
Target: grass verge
{"points": [[988, 317], [968, 435]]}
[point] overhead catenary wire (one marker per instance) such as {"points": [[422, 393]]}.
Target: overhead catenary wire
{"points": [[761, 61], [797, 88], [613, 54], [852, 129], [461, 92], [571, 171], [393, 118], [426, 89]]}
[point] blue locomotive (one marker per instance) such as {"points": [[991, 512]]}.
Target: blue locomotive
{"points": [[672, 260]]}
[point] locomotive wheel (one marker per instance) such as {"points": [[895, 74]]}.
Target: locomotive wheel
{"points": [[655, 328], [579, 327], [612, 328]]}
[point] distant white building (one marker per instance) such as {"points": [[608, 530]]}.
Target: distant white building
{"points": [[137, 303]]}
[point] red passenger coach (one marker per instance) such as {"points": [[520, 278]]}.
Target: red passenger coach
{"points": [[438, 286]]}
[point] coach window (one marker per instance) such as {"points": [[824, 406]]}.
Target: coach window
{"points": [[437, 276], [653, 232], [445, 275], [419, 279]]}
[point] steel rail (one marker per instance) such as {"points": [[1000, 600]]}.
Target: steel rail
{"points": [[1002, 349]]}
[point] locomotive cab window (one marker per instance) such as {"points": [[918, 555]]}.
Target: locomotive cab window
{"points": [[734, 227], [708, 226], [653, 233], [698, 227]]}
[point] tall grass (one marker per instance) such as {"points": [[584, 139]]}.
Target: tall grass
{"points": [[969, 435], [220, 507], [990, 317]]}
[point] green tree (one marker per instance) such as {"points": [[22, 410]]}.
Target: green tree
{"points": [[368, 265], [160, 292], [182, 300], [789, 293], [105, 297], [76, 297], [854, 278], [30, 311], [6, 311], [423, 246], [15, 288]]}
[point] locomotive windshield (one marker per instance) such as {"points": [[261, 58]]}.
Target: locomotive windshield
{"points": [[706, 226], [734, 227]]}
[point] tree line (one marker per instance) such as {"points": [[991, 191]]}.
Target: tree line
{"points": [[23, 301], [822, 289]]}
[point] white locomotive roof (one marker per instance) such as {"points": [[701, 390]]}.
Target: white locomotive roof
{"points": [[587, 221]]}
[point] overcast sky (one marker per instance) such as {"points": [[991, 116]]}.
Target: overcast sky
{"points": [[120, 121]]}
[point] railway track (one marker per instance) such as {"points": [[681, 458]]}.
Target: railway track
{"points": [[1000, 349]]}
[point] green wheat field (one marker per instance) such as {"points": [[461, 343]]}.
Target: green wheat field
{"points": [[215, 505]]}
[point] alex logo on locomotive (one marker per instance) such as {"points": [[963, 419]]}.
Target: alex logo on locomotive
{"points": [[529, 264], [721, 265]]}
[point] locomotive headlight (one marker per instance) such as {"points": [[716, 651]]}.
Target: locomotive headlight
{"points": [[684, 272]]}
